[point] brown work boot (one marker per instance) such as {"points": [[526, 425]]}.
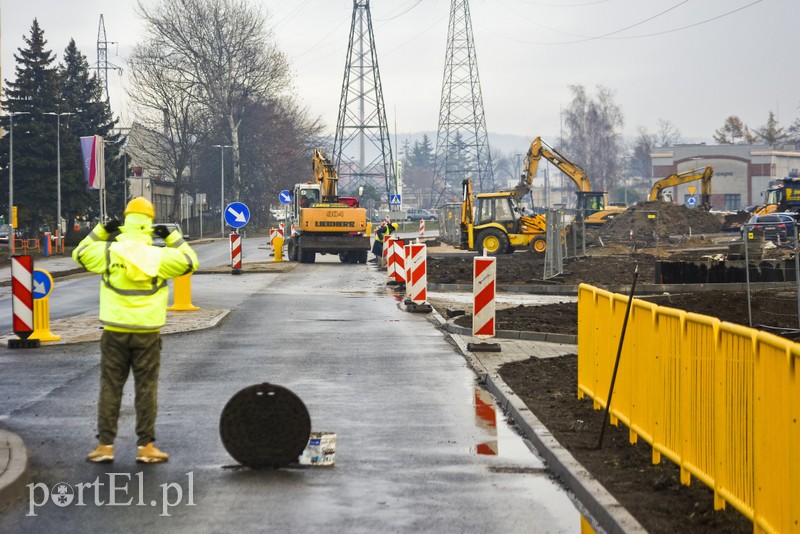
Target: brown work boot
{"points": [[149, 454], [103, 454]]}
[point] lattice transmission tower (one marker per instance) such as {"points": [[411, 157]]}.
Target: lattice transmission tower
{"points": [[462, 146], [103, 66], [362, 151]]}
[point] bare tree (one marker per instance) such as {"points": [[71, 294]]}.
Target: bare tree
{"points": [[225, 48], [668, 134], [641, 163], [173, 123], [732, 130], [593, 139]]}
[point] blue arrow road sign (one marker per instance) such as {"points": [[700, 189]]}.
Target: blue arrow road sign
{"points": [[42, 283], [236, 214], [285, 197], [395, 200], [691, 201]]}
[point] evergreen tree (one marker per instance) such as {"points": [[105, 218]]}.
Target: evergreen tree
{"points": [[771, 134], [35, 89], [422, 154], [82, 95]]}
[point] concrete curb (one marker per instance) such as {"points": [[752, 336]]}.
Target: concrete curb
{"points": [[14, 467], [567, 339], [604, 511]]}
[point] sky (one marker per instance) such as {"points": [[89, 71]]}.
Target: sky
{"points": [[691, 62]]}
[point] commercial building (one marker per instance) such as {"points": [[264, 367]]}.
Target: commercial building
{"points": [[741, 172]]}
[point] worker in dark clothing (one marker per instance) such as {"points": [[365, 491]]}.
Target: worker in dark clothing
{"points": [[384, 230]]}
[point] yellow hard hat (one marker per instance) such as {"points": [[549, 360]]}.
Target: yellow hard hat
{"points": [[395, 226], [140, 205]]}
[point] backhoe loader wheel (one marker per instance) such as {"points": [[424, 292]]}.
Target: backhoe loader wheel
{"points": [[494, 241], [538, 245]]}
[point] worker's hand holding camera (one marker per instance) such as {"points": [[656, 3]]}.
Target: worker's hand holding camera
{"points": [[161, 231], [112, 226]]}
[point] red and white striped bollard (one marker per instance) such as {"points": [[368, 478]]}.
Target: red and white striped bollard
{"points": [[236, 254], [22, 301], [484, 270]]}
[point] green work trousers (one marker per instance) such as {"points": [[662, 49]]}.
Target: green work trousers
{"points": [[119, 353]]}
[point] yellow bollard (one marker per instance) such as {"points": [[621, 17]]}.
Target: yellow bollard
{"points": [[41, 321], [182, 294], [277, 247]]}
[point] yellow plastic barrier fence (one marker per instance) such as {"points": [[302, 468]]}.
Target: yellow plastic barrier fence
{"points": [[720, 400]]}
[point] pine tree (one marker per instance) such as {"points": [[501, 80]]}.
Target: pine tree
{"points": [[35, 89]]}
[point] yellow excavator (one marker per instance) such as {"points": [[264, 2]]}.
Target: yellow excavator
{"points": [[703, 174], [323, 222], [592, 206]]}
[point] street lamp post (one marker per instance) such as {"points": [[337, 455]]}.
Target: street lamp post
{"points": [[11, 233], [222, 186], [58, 159]]}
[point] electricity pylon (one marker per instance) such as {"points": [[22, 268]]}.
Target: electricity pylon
{"points": [[362, 151], [462, 146]]}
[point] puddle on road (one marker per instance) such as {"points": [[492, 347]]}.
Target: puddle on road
{"points": [[501, 439]]}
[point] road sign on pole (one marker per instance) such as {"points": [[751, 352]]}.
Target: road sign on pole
{"points": [[691, 201], [285, 197], [236, 214], [42, 283]]}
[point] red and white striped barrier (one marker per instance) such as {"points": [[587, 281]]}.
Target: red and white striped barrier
{"points": [[385, 251], [422, 227], [22, 295], [236, 254], [281, 230], [416, 273], [483, 293], [396, 261]]}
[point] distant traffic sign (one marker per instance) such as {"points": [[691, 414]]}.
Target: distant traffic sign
{"points": [[236, 214], [691, 202], [42, 283], [395, 200], [285, 197]]}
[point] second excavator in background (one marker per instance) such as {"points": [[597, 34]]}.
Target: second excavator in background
{"points": [[704, 175], [592, 207]]}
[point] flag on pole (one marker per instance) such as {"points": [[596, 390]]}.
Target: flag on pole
{"points": [[93, 152]]}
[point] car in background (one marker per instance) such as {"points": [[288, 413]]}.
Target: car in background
{"points": [[159, 242], [778, 227], [414, 214], [5, 230]]}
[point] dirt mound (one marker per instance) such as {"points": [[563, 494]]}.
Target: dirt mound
{"points": [[656, 220]]}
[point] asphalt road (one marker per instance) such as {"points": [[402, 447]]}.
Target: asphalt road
{"points": [[410, 451]]}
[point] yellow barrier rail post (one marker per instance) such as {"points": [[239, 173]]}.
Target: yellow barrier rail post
{"points": [[182, 294], [42, 285]]}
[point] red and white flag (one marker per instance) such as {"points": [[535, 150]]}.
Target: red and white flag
{"points": [[93, 152]]}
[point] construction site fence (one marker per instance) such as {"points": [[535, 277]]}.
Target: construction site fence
{"points": [[720, 400]]}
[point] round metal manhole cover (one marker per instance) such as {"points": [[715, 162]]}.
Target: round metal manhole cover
{"points": [[265, 425]]}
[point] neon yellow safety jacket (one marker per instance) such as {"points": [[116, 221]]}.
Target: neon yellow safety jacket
{"points": [[133, 287]]}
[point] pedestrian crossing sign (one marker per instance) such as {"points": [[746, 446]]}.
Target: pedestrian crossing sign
{"points": [[395, 200]]}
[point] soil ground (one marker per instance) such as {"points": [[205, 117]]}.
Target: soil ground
{"points": [[652, 493]]}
